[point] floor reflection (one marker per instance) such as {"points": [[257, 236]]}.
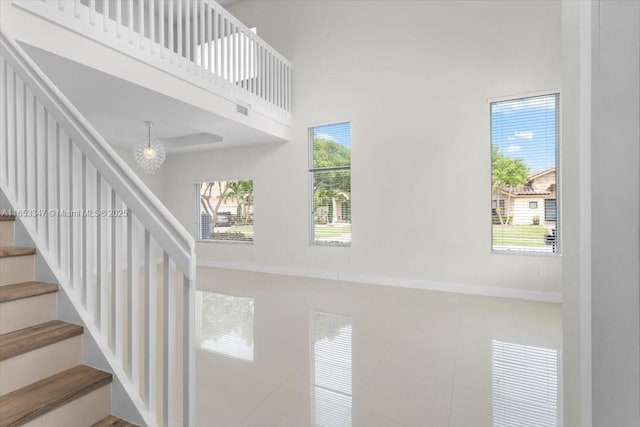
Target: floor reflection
{"points": [[331, 369], [525, 385], [332, 354], [225, 324]]}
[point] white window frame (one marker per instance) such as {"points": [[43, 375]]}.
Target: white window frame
{"points": [[312, 170], [558, 229]]}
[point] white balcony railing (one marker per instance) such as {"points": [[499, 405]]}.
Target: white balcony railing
{"points": [[196, 40]]}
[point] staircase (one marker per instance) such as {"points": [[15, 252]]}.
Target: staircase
{"points": [[125, 266], [42, 379]]}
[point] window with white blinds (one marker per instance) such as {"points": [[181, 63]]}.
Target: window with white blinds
{"points": [[525, 386], [524, 174], [224, 211], [330, 181], [331, 370], [225, 324]]}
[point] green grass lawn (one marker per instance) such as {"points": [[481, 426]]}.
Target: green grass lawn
{"points": [[519, 235], [323, 231]]}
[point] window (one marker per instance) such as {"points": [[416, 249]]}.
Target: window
{"points": [[224, 211], [330, 180], [524, 174]]}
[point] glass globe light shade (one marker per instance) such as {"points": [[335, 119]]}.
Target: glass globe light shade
{"points": [[151, 155]]}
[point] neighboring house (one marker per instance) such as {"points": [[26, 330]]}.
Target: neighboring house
{"points": [[537, 198]]}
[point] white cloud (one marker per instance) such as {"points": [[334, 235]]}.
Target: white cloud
{"points": [[524, 135], [325, 136], [513, 148]]}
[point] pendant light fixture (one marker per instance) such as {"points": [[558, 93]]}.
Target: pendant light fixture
{"points": [[151, 154]]}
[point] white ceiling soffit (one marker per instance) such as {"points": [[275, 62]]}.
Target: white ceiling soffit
{"points": [[118, 110]]}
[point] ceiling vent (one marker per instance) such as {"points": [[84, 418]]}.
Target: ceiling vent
{"points": [[242, 109]]}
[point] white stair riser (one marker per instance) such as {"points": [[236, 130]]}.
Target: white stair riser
{"points": [[27, 312], [6, 233], [81, 412], [16, 269], [24, 369]]}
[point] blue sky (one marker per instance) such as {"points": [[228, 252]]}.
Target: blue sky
{"points": [[526, 129], [339, 132]]}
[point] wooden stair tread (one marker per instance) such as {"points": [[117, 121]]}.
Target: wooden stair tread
{"points": [[37, 336], [25, 290], [11, 251], [113, 421], [7, 218], [35, 400]]}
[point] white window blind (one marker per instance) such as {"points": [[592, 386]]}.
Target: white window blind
{"points": [[331, 370], [330, 181], [225, 324], [524, 174], [224, 211], [525, 386]]}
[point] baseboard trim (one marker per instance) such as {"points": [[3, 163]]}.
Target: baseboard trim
{"points": [[397, 282]]}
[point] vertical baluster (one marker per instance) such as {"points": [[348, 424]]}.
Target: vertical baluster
{"points": [[23, 130], [179, 32], [141, 23], [169, 310], [85, 247], [98, 258], [47, 179], [215, 38], [58, 196], [92, 10], [227, 48], [188, 374], [146, 321], [259, 71], [152, 26], [151, 329], [279, 62], [194, 35], [240, 56], [187, 33], [170, 26], [130, 20], [119, 18], [14, 109], [105, 16], [232, 51], [73, 223], [203, 55], [76, 8], [289, 94], [117, 279], [209, 43], [6, 119], [36, 165], [134, 306], [161, 39]]}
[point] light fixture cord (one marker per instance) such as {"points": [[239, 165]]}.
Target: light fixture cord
{"points": [[149, 139]]}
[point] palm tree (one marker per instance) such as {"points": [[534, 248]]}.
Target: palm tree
{"points": [[242, 193]]}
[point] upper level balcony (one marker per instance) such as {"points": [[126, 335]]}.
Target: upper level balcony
{"points": [[205, 78]]}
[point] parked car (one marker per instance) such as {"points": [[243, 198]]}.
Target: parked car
{"points": [[224, 219]]}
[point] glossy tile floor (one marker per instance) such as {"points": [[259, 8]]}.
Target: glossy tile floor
{"points": [[297, 352]]}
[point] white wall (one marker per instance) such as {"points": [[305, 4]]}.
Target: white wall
{"points": [[414, 80], [615, 211]]}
